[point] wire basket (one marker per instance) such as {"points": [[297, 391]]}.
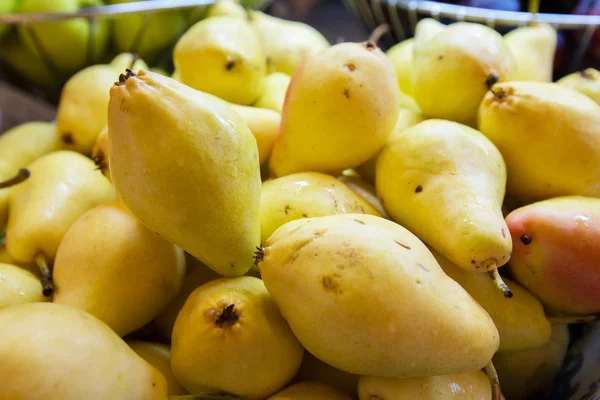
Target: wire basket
{"points": [[403, 15]]}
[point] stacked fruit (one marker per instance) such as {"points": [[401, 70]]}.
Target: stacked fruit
{"points": [[365, 265]]}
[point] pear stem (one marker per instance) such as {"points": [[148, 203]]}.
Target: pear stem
{"points": [[573, 320], [47, 284], [490, 370], [534, 6], [21, 176], [378, 33], [497, 279]]}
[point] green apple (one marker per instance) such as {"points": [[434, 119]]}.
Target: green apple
{"points": [[65, 42], [163, 29], [6, 6]]}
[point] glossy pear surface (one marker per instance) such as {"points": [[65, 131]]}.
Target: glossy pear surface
{"points": [[18, 286]]}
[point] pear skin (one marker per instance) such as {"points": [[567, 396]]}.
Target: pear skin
{"points": [[556, 251], [62, 186], [222, 56], [273, 95], [309, 391], [203, 176], [445, 182], [113, 267], [466, 386], [315, 370], [100, 153], [159, 356], [340, 109], [586, 82], [425, 30], [18, 286], [231, 8], [533, 48], [229, 336], [333, 272], [264, 125], [547, 135], [401, 55], [306, 195], [70, 355]]}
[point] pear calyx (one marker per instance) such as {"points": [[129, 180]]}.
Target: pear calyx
{"points": [[123, 77], [228, 316], [259, 254]]}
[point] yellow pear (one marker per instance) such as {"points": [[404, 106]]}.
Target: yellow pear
{"points": [[5, 258], [313, 369], [340, 109], [264, 125], [287, 43], [230, 8], [529, 374], [306, 195], [18, 286], [273, 94], [401, 56], [533, 49], [520, 321], [230, 336], [365, 190], [19, 147], [466, 386], [586, 82], [203, 176], [222, 56], [63, 185], [333, 272], [548, 136], [70, 355], [406, 119], [113, 267], [445, 183], [310, 391], [197, 274], [454, 68], [159, 356], [426, 30], [100, 153]]}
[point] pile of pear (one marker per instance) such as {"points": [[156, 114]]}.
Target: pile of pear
{"points": [[285, 219]]}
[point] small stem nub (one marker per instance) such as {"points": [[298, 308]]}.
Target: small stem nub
{"points": [[21, 176], [228, 316], [490, 370], [495, 275], [376, 35], [123, 77], [259, 254], [47, 284]]}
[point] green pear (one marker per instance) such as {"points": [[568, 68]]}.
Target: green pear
{"points": [[161, 29], [65, 42], [586, 82], [113, 267], [401, 55], [28, 64], [18, 286], [273, 94], [7, 6], [70, 355], [382, 304], [533, 48], [548, 135], [222, 56], [454, 68], [203, 176], [445, 182], [287, 43]]}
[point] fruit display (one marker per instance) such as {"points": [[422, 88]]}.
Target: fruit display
{"points": [[289, 219]]}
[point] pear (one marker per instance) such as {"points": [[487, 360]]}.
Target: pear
{"points": [[7, 6], [159, 356], [310, 391], [70, 355], [231, 8], [146, 35], [100, 153], [529, 374], [63, 185], [264, 125], [287, 43], [18, 286], [5, 258], [313, 369], [381, 285], [425, 30], [586, 82], [197, 274], [556, 251], [365, 190], [445, 182], [454, 68], [65, 42], [273, 94], [340, 109], [306, 195], [401, 56], [520, 321], [533, 48], [406, 119], [222, 56], [113, 267], [28, 64], [548, 137], [229, 336], [19, 147], [203, 176], [473, 385], [83, 104]]}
